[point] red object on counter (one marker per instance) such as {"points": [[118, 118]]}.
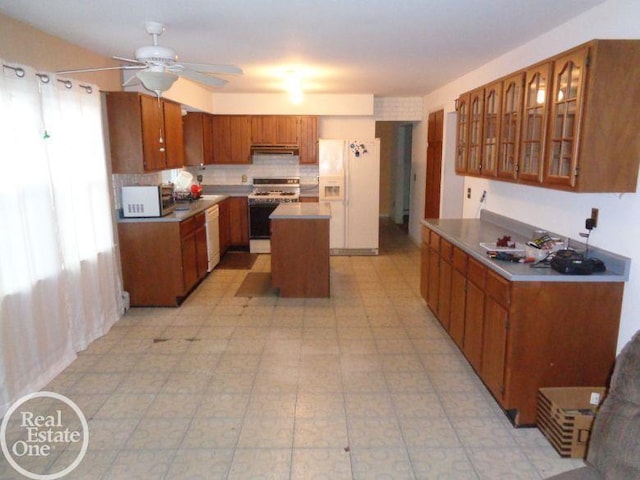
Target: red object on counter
{"points": [[196, 190]]}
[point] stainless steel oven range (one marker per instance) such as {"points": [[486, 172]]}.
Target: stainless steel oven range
{"points": [[267, 194]]}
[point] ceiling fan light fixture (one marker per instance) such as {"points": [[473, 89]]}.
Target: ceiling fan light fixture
{"points": [[157, 82]]}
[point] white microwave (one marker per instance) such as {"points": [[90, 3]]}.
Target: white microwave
{"points": [[147, 200]]}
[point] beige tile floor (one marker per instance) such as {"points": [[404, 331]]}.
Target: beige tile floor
{"points": [[364, 385]]}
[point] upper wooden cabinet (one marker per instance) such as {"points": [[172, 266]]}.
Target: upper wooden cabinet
{"points": [[566, 109], [462, 133], [577, 130], [198, 138], [231, 139], [510, 125], [288, 130], [274, 130], [476, 106], [145, 133], [308, 139], [227, 139], [491, 129], [536, 101]]}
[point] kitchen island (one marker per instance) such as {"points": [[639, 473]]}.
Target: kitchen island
{"points": [[520, 328], [300, 249]]}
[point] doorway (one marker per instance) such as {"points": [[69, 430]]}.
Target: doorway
{"points": [[395, 171]]}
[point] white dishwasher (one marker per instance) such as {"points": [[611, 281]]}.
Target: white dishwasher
{"points": [[213, 236]]}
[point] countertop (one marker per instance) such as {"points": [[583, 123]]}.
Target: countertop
{"points": [[467, 234], [180, 213], [302, 211]]}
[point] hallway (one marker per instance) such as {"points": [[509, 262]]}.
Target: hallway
{"points": [[363, 385]]}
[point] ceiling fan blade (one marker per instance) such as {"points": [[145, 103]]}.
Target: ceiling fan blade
{"points": [[201, 78], [132, 80], [101, 69], [124, 59], [209, 68]]}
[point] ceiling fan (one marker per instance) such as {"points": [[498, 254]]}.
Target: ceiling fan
{"points": [[158, 68]]}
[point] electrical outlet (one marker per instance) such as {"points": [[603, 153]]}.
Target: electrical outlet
{"points": [[594, 217], [468, 192]]}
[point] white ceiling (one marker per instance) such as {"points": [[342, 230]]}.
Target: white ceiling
{"points": [[383, 47]]}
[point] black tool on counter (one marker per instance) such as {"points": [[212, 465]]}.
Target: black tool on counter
{"points": [[571, 262], [509, 257]]}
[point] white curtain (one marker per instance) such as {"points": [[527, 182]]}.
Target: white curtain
{"points": [[60, 287]]}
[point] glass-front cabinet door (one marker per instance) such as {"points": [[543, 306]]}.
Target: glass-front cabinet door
{"points": [[462, 132], [510, 125], [566, 105], [476, 113], [491, 129], [536, 101]]}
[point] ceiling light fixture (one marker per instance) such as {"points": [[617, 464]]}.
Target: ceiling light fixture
{"points": [[293, 86], [157, 82]]}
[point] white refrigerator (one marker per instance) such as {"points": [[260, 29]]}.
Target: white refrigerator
{"points": [[350, 181]]}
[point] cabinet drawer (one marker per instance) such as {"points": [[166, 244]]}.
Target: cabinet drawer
{"points": [[446, 250], [434, 241], [460, 260], [425, 235], [498, 288], [187, 226], [476, 272], [199, 220]]}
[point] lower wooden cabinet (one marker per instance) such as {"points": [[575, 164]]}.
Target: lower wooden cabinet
{"points": [[521, 336], [494, 345], [457, 294], [444, 283], [224, 226], [473, 325], [193, 243], [233, 223], [424, 264], [239, 223], [162, 261]]}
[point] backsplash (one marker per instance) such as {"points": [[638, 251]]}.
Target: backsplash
{"points": [[263, 166]]}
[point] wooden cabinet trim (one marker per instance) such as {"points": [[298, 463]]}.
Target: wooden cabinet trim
{"points": [[476, 272], [498, 288], [446, 250], [434, 241], [187, 226], [460, 260]]}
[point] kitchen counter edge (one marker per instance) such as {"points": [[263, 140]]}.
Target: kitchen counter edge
{"points": [[302, 211], [467, 234]]}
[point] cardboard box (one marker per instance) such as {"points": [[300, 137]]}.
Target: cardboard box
{"points": [[565, 415]]}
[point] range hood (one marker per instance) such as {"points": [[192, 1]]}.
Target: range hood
{"points": [[271, 149]]}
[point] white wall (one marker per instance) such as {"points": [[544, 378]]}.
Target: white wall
{"points": [[279, 104], [354, 128], [564, 213]]}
